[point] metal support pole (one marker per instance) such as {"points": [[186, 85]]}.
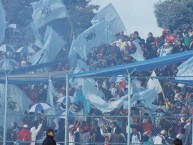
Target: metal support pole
{"points": [[129, 109], [5, 110], [192, 129], [66, 118]]}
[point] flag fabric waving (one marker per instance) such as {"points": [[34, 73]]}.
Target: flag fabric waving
{"points": [[51, 48], [111, 16], [45, 11], [138, 55], [2, 23], [106, 24], [94, 36], [185, 70]]}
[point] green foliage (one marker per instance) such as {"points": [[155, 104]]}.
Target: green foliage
{"points": [[174, 14], [81, 13]]}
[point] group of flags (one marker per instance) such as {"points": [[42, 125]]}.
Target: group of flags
{"points": [[105, 25]]}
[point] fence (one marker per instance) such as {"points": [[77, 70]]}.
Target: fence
{"points": [[163, 110]]}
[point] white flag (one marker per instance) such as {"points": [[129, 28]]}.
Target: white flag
{"points": [[51, 94], [146, 96], [185, 70], [136, 86], [17, 101], [111, 16], [154, 83], [45, 11], [138, 55], [94, 36], [2, 23], [51, 48], [95, 97]]}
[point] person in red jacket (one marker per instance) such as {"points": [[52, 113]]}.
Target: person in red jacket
{"points": [[24, 136]]}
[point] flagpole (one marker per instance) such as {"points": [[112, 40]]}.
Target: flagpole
{"points": [[66, 118], [5, 110], [129, 105], [129, 108]]}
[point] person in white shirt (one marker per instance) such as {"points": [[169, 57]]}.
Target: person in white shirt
{"points": [[107, 134], [34, 131], [135, 136], [165, 50]]}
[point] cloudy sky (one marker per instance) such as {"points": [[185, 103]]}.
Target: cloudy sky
{"points": [[135, 14]]}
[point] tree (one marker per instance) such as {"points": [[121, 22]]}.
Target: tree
{"points": [[174, 14]]}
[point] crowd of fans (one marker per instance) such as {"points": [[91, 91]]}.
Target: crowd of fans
{"points": [[172, 118]]}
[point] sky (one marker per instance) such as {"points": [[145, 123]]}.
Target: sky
{"points": [[137, 15]]}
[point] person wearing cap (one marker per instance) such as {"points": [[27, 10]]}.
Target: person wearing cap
{"points": [[160, 138], [24, 136], [49, 140]]}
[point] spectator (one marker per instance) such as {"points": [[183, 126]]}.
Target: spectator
{"points": [[187, 39], [135, 136], [34, 131], [49, 140], [24, 136], [12, 133], [107, 134], [160, 138], [86, 135], [150, 41], [117, 137], [181, 135]]}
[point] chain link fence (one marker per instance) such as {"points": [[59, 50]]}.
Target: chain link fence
{"points": [[159, 111]]}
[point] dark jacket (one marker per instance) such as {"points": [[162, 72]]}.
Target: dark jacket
{"points": [[49, 141], [117, 138]]}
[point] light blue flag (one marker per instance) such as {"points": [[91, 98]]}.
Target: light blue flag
{"points": [[185, 70], [45, 11], [81, 100], [94, 36], [72, 56], [51, 94], [138, 55], [39, 40], [2, 23], [112, 17], [17, 102], [146, 96], [95, 97], [52, 46]]}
